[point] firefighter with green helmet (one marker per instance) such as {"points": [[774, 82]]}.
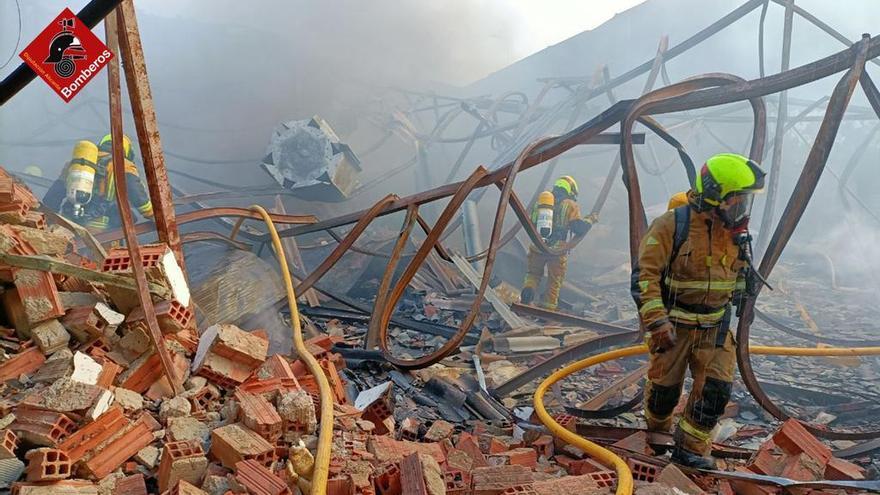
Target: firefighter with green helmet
{"points": [[689, 272], [85, 192], [557, 217]]}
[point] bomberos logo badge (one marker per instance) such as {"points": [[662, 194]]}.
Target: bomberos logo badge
{"points": [[67, 55]]}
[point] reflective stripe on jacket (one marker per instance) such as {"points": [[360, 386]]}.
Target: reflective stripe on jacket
{"points": [[698, 285]]}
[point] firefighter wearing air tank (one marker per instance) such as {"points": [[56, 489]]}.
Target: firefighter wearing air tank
{"points": [[86, 193], [688, 275], [556, 217]]}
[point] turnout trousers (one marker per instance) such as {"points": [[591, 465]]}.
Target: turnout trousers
{"points": [[556, 267], [712, 361]]}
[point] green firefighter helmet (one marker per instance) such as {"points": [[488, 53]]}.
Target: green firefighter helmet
{"points": [[567, 184], [107, 141], [728, 182]]}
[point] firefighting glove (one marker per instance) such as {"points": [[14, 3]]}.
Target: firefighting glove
{"points": [[661, 338], [580, 227]]}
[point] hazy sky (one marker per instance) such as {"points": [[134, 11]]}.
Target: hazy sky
{"points": [[548, 22]]}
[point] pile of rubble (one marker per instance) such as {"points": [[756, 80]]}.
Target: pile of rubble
{"points": [[85, 407]]}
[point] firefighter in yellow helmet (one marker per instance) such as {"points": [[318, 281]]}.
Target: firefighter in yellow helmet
{"points": [[684, 283], [566, 221], [86, 193]]}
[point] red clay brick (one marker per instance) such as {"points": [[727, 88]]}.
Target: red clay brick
{"points": [[259, 415], [143, 373], [47, 464], [637, 442], [456, 483], [568, 484], [522, 456], [794, 439], [84, 322], [605, 479], [495, 479], [38, 294], [387, 449], [109, 371], [95, 433], [119, 450], [44, 428], [8, 444], [119, 259], [172, 316], [23, 363], [643, 471], [386, 479], [131, 485], [544, 446], [234, 443], [412, 478], [181, 461], [841, 470], [568, 422], [524, 489], [258, 480], [184, 487]]}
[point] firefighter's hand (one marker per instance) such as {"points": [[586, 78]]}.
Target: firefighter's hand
{"points": [[592, 218], [579, 227], [661, 338]]}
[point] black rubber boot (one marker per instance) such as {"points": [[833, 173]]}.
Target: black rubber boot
{"points": [[689, 459], [527, 295]]}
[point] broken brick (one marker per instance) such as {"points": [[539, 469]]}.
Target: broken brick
{"points": [[44, 428], [258, 480], [94, 433], [642, 471], [841, 470], [411, 478], [184, 487], [122, 447], [23, 363], [521, 456], [386, 479], [85, 322], [8, 444], [493, 480], [259, 415], [142, 373], [131, 485], [794, 439], [386, 449], [637, 443], [47, 464], [456, 484], [38, 294], [181, 461], [172, 317], [234, 443]]}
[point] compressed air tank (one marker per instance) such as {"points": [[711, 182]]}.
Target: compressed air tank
{"points": [[81, 175], [544, 220]]}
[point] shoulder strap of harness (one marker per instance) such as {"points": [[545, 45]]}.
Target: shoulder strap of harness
{"points": [[682, 229]]}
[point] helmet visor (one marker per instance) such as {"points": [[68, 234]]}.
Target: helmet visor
{"points": [[736, 208]]}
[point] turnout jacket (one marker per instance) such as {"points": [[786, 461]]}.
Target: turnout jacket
{"points": [[693, 286]]}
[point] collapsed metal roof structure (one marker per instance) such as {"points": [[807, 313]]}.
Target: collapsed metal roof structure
{"points": [[521, 146]]}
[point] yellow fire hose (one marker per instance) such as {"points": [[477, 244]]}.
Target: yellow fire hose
{"points": [[325, 435], [610, 459]]}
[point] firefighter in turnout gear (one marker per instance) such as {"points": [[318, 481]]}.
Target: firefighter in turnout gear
{"points": [[566, 221], [684, 284], [85, 191]]}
